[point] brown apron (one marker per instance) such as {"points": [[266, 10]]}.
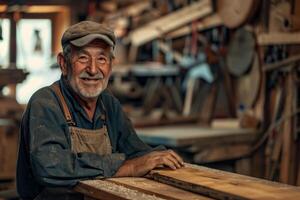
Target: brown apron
{"points": [[82, 140]]}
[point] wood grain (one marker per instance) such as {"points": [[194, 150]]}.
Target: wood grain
{"points": [[158, 189], [224, 185], [104, 190], [207, 23], [278, 38], [170, 22]]}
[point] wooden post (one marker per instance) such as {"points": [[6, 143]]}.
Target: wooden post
{"points": [[287, 133]]}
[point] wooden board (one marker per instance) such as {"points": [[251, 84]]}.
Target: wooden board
{"points": [[158, 189], [104, 190], [208, 22], [224, 185], [226, 123], [133, 188], [278, 38], [170, 22], [185, 135]]}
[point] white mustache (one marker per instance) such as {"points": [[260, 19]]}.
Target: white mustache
{"points": [[88, 76]]}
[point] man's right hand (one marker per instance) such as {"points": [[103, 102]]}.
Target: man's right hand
{"points": [[142, 165]]}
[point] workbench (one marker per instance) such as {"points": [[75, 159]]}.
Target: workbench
{"points": [[189, 183], [204, 144]]}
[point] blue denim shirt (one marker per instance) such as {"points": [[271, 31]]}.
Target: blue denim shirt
{"points": [[45, 156]]}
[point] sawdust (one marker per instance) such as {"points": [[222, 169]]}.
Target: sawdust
{"points": [[121, 190]]}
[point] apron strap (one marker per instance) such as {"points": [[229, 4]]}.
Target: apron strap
{"points": [[64, 105], [103, 116]]}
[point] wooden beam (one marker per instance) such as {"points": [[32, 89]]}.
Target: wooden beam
{"points": [[170, 22], [206, 23], [136, 8], [287, 143], [278, 38]]}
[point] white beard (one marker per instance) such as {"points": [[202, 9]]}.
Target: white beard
{"points": [[82, 91]]}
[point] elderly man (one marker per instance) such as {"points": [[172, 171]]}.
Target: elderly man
{"points": [[75, 130]]}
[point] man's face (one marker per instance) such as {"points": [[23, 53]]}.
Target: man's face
{"points": [[90, 69]]}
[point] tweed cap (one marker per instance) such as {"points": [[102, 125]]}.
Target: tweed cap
{"points": [[84, 32]]}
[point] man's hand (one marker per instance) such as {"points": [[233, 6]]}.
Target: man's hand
{"points": [[142, 165]]}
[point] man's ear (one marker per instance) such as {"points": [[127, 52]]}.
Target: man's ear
{"points": [[61, 60]]}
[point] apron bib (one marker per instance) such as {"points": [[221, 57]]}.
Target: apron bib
{"points": [[82, 140]]}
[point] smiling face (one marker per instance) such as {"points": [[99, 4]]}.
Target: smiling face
{"points": [[89, 69]]}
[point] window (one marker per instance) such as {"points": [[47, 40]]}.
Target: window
{"points": [[34, 55], [4, 43]]}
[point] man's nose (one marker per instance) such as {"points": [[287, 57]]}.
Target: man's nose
{"points": [[92, 68]]}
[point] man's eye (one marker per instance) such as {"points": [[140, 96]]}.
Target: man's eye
{"points": [[102, 60], [83, 58]]}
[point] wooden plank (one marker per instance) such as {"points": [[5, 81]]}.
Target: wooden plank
{"points": [[188, 100], [135, 9], [155, 188], [104, 190], [170, 22], [145, 122], [226, 123], [278, 38], [208, 22], [222, 152], [224, 185], [185, 135]]}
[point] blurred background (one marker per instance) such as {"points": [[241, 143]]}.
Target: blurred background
{"points": [[215, 80]]}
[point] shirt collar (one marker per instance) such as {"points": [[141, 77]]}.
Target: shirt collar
{"points": [[69, 93]]}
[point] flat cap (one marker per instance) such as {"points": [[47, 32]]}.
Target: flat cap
{"points": [[84, 32]]}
